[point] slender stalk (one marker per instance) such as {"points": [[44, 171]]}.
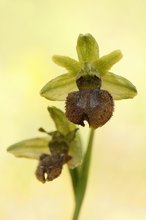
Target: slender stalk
{"points": [[74, 177], [82, 182]]}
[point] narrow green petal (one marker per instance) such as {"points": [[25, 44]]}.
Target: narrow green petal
{"points": [[57, 89], [65, 126], [31, 148], [70, 64], [106, 62], [87, 48], [118, 86]]}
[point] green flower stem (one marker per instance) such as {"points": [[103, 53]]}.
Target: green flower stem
{"points": [[82, 182], [74, 178]]}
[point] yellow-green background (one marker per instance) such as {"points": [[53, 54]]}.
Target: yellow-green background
{"points": [[31, 31]]}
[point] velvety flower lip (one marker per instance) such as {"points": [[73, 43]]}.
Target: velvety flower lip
{"points": [[88, 54], [50, 166], [95, 106]]}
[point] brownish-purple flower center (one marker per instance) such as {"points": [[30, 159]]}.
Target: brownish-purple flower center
{"points": [[50, 166], [89, 104]]}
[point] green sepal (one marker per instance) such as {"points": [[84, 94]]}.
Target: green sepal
{"points": [[64, 126], [70, 64], [57, 89], [106, 62], [118, 86], [87, 48], [31, 148]]}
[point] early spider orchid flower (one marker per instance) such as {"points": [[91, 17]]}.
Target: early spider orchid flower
{"points": [[89, 88], [53, 151]]}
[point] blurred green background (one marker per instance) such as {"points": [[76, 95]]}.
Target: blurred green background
{"points": [[30, 33]]}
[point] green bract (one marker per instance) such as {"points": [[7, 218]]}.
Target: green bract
{"points": [[34, 148], [88, 54]]}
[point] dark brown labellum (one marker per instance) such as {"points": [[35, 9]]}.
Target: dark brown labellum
{"points": [[50, 166], [95, 106]]}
